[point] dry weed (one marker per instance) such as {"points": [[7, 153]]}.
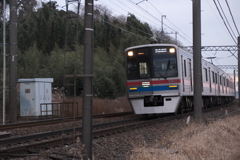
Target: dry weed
{"points": [[219, 141], [101, 106]]}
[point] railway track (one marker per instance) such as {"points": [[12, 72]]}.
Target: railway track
{"points": [[27, 144], [55, 138], [57, 120]]}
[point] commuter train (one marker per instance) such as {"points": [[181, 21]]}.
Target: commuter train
{"points": [[160, 80]]}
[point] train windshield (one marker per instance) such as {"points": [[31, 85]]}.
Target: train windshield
{"points": [[151, 62], [164, 62], [138, 64]]}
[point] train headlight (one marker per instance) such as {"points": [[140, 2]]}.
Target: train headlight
{"points": [[130, 53], [172, 50]]}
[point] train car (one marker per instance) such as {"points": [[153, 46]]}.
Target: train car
{"points": [[160, 80]]}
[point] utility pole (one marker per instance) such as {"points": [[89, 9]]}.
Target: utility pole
{"points": [[238, 70], [176, 37], [161, 40], [13, 62], [4, 60], [87, 81], [162, 21], [197, 57]]}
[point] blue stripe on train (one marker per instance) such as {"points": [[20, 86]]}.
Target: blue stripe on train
{"points": [[152, 88]]}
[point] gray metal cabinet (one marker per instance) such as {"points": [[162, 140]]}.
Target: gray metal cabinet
{"points": [[34, 92]]}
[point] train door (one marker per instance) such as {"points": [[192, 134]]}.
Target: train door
{"points": [[223, 86], [183, 83], [210, 83], [138, 71], [227, 86], [213, 83], [145, 86], [186, 76], [216, 82], [190, 75]]}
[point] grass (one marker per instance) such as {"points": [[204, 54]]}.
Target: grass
{"points": [[218, 140]]}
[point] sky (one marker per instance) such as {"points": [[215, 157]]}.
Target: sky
{"points": [[179, 19]]}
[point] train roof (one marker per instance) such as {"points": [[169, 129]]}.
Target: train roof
{"points": [[151, 45]]}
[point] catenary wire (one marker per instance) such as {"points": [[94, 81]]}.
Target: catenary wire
{"points": [[141, 15], [158, 19], [128, 25], [224, 21], [168, 19], [232, 17], [226, 17]]}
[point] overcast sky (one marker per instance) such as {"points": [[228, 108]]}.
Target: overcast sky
{"points": [[179, 19]]}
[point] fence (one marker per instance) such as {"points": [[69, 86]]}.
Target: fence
{"points": [[66, 109]]}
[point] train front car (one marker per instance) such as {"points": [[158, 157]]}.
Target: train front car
{"points": [[153, 83]]}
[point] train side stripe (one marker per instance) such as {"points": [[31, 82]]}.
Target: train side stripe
{"points": [[154, 88], [168, 81]]}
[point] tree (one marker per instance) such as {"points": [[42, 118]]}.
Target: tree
{"points": [[135, 26], [26, 8], [31, 63]]}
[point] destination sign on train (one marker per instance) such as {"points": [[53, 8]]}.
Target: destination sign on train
{"points": [[160, 50]]}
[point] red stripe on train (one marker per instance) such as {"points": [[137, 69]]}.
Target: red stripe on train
{"points": [[154, 82]]}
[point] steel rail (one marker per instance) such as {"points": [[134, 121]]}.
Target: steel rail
{"points": [[56, 120], [26, 138], [100, 132]]}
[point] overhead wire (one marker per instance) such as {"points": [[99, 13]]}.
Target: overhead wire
{"points": [[232, 54], [225, 17], [122, 28], [224, 21], [126, 6], [158, 20], [168, 19], [232, 17], [126, 24], [126, 29], [220, 22], [141, 16]]}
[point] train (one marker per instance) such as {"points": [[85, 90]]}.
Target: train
{"points": [[159, 79]]}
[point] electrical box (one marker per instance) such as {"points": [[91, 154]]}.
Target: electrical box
{"points": [[33, 93]]}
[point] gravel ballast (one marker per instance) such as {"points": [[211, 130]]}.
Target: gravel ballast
{"points": [[123, 145]]}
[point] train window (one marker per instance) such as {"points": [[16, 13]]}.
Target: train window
{"points": [[206, 76], [224, 81], [185, 70], [220, 80], [190, 73], [216, 81], [164, 63], [138, 65], [210, 85], [143, 70], [213, 79]]}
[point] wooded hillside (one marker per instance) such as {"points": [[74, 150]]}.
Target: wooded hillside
{"points": [[42, 43]]}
